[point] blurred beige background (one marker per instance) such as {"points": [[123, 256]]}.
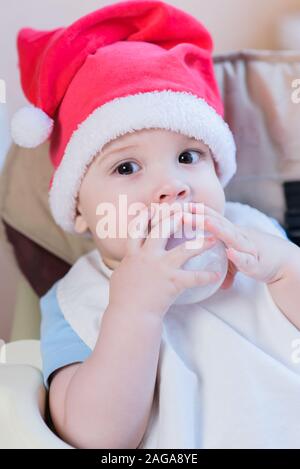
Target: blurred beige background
{"points": [[234, 25]]}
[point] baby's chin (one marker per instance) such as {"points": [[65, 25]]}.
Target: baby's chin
{"points": [[110, 263]]}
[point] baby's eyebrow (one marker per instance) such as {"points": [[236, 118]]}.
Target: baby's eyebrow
{"points": [[194, 140], [116, 150]]}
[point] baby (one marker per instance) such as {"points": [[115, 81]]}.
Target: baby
{"points": [[126, 367]]}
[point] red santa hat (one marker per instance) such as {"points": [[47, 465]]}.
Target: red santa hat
{"points": [[128, 66]]}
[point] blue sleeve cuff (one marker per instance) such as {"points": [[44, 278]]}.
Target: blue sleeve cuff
{"points": [[60, 344]]}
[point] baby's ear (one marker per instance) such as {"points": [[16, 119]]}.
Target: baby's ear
{"points": [[80, 225]]}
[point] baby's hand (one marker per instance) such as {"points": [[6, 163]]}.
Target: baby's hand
{"points": [[255, 253], [149, 278]]}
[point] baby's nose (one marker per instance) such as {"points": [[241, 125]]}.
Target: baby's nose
{"points": [[171, 192]]}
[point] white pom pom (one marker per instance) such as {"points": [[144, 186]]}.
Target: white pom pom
{"points": [[30, 126]]}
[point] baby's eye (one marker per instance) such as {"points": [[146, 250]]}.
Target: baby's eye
{"points": [[124, 168], [186, 159]]}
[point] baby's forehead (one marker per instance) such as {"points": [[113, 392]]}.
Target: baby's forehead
{"points": [[144, 134]]}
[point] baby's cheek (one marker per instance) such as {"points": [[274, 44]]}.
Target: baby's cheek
{"points": [[112, 248], [213, 196], [220, 203], [218, 198]]}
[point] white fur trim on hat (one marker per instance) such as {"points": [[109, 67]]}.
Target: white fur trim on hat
{"points": [[180, 112], [30, 126]]}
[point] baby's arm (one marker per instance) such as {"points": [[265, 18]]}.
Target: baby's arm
{"points": [[285, 289], [263, 256], [105, 402]]}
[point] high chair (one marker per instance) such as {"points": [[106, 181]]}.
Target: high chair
{"points": [[257, 89]]}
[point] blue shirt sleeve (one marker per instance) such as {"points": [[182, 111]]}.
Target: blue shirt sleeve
{"points": [[60, 345]]}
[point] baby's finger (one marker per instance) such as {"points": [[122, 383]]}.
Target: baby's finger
{"points": [[244, 261], [216, 221], [223, 229], [162, 230], [180, 254], [193, 278], [141, 226], [203, 209], [138, 230], [161, 211]]}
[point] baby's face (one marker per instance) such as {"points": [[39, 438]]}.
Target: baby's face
{"points": [[151, 166]]}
